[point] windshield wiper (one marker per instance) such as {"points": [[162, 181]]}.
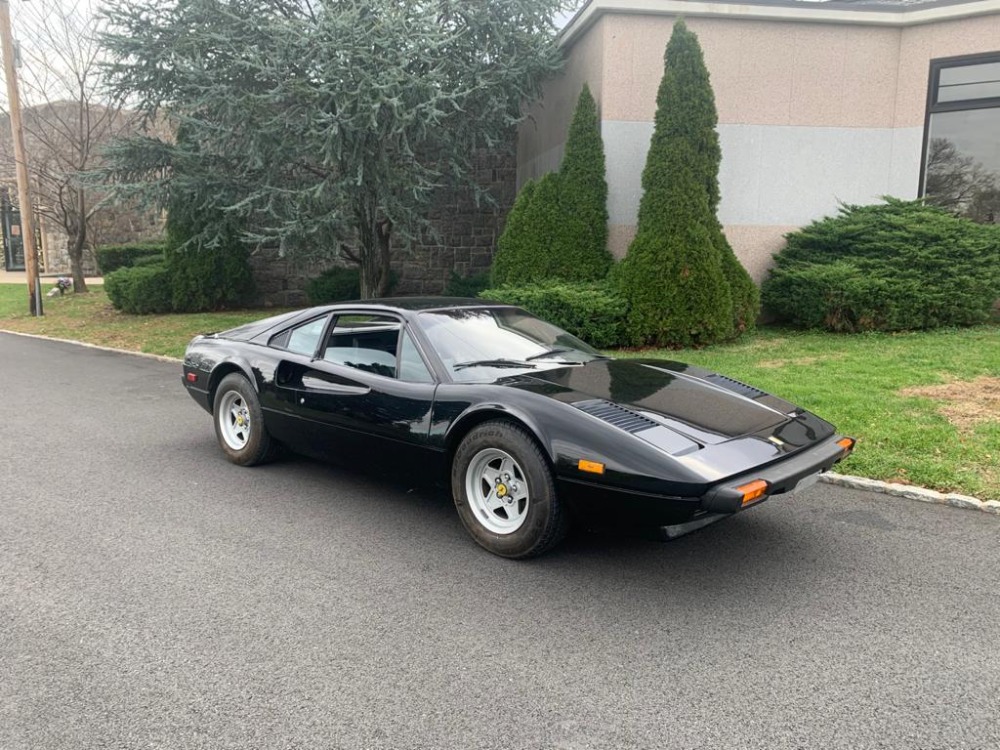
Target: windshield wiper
{"points": [[494, 363], [547, 353]]}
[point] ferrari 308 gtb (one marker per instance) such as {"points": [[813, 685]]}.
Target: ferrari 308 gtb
{"points": [[532, 425]]}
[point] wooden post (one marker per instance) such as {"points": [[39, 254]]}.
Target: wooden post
{"points": [[21, 161]]}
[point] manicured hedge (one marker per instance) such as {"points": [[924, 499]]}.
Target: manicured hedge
{"points": [[590, 311], [143, 290], [112, 257], [901, 265]]}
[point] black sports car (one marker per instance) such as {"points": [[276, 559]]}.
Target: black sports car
{"points": [[532, 423]]}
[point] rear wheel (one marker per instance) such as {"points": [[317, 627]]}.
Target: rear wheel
{"points": [[239, 422], [504, 491]]}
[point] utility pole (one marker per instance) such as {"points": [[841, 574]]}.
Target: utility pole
{"points": [[21, 160]]}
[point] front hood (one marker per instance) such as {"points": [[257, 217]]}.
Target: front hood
{"points": [[690, 400]]}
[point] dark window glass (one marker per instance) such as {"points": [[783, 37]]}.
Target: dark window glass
{"points": [[411, 365], [364, 342], [962, 161], [303, 339]]}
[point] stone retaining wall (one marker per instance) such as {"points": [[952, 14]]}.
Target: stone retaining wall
{"points": [[466, 240]]}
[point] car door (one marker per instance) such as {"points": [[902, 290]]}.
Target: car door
{"points": [[367, 395], [293, 346]]}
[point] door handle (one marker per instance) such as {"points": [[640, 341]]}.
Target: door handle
{"points": [[319, 385]]}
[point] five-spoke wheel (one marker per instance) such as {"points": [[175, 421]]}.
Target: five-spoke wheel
{"points": [[504, 491], [497, 490], [239, 423]]}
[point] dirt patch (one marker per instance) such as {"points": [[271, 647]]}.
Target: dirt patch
{"points": [[964, 403]]}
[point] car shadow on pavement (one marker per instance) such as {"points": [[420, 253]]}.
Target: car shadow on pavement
{"points": [[738, 549]]}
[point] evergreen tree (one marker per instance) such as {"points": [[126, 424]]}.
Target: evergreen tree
{"points": [[207, 270], [698, 126], [676, 273], [326, 127], [559, 230], [517, 243], [580, 238]]}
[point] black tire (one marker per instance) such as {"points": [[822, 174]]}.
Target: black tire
{"points": [[544, 520], [258, 446]]}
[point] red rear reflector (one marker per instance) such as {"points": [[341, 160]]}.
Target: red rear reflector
{"points": [[846, 443], [752, 490], [592, 467], [192, 377]]}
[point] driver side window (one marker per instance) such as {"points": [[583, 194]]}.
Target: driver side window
{"points": [[364, 342]]}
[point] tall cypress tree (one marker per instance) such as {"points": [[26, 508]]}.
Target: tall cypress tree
{"points": [[580, 241], [674, 275], [558, 229]]}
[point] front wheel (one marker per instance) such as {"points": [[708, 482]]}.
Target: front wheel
{"points": [[239, 422], [504, 492]]}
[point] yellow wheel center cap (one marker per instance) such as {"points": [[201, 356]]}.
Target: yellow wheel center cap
{"points": [[501, 490]]}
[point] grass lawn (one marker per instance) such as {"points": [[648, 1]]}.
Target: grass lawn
{"points": [[925, 406], [90, 317], [946, 437]]}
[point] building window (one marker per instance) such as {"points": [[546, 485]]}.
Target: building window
{"points": [[962, 157]]}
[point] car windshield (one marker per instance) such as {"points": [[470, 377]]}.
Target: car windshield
{"points": [[482, 344]]}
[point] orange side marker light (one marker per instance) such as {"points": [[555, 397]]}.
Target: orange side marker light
{"points": [[846, 443], [591, 467], [752, 490]]}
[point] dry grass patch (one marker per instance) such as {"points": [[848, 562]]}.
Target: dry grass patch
{"points": [[771, 364], [964, 403]]}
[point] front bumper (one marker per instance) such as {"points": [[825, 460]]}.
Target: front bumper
{"points": [[794, 473]]}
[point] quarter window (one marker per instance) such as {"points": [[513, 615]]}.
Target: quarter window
{"points": [[303, 339], [962, 157]]}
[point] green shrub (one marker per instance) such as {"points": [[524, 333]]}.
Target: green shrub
{"points": [[141, 290], [149, 260], [336, 284], [210, 277], [590, 311], [467, 286], [112, 257], [340, 284], [901, 265]]}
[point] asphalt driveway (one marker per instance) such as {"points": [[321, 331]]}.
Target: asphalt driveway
{"points": [[154, 596]]}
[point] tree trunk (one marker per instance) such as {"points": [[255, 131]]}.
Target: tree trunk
{"points": [[375, 235], [77, 243]]}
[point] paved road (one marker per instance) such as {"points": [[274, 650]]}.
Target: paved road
{"points": [[154, 596]]}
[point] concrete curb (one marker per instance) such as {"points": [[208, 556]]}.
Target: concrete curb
{"points": [[910, 492], [906, 491], [158, 357]]}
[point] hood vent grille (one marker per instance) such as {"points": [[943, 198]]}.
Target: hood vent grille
{"points": [[734, 385], [616, 415]]}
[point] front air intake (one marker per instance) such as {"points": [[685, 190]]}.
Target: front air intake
{"points": [[616, 415]]}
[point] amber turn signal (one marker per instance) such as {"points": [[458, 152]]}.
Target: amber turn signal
{"points": [[846, 443], [591, 467], [754, 490]]}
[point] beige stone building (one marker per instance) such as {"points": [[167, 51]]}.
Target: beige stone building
{"points": [[819, 103]]}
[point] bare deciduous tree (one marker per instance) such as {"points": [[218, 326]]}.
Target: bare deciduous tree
{"points": [[67, 119], [958, 182]]}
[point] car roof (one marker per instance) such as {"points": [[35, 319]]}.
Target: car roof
{"points": [[418, 304]]}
